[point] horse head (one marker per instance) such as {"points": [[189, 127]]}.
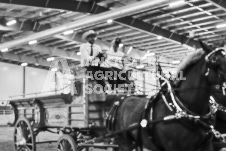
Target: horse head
{"points": [[216, 66]]}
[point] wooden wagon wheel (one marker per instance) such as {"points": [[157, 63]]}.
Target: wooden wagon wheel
{"points": [[66, 143], [24, 139]]}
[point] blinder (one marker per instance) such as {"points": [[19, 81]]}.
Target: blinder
{"points": [[213, 64]]}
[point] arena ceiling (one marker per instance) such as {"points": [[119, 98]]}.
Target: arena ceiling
{"points": [[170, 30]]}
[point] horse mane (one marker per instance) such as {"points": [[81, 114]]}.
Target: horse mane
{"points": [[189, 60]]}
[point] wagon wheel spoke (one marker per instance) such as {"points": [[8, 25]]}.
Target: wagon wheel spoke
{"points": [[28, 149], [20, 149], [29, 144], [61, 147], [66, 143], [23, 135], [68, 146], [19, 133], [80, 148]]}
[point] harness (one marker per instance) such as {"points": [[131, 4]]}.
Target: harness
{"points": [[181, 112]]}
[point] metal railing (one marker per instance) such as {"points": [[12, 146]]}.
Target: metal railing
{"points": [[5, 112]]}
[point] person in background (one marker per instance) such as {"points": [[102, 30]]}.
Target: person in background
{"points": [[89, 50], [115, 60], [115, 56], [91, 55]]}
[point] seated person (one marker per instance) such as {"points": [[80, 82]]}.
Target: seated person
{"points": [[115, 60], [92, 57]]}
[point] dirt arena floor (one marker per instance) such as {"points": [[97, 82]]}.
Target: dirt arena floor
{"points": [[6, 140]]}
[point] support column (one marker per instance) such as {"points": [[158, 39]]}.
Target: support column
{"points": [[24, 81]]}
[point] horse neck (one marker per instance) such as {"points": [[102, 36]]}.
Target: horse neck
{"points": [[195, 93]]}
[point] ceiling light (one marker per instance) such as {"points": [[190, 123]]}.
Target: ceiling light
{"points": [[78, 53], [150, 54], [130, 49], [208, 13], [140, 66], [68, 12], [159, 37], [36, 64], [179, 2], [221, 25], [24, 64], [32, 42], [54, 69], [11, 22], [68, 32], [199, 8], [50, 59], [176, 62], [109, 21], [4, 50], [120, 45]]}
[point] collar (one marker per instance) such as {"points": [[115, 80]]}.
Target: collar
{"points": [[89, 44]]}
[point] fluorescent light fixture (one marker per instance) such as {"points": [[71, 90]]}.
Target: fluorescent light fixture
{"points": [[4, 50], [78, 53], [208, 13], [199, 8], [176, 62], [190, 48], [50, 59], [175, 3], [150, 54], [36, 64], [109, 21], [24, 64], [68, 12], [221, 25], [140, 66], [54, 69], [159, 37], [32, 42], [68, 32], [11, 22], [130, 49], [120, 45]]}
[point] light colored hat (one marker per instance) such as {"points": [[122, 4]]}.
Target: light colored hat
{"points": [[88, 33]]}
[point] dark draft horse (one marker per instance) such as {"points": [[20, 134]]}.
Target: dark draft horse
{"points": [[220, 123], [175, 135]]}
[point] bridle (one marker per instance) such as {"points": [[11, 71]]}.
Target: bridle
{"points": [[180, 111]]}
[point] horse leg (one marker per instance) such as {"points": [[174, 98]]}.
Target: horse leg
{"points": [[124, 143]]}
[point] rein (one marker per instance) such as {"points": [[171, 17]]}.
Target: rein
{"points": [[176, 106]]}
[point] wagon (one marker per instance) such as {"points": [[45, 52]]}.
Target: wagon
{"points": [[77, 119]]}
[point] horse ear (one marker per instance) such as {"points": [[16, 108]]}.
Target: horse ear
{"points": [[222, 43], [205, 47]]}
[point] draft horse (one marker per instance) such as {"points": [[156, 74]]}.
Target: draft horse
{"points": [[202, 69], [218, 100]]}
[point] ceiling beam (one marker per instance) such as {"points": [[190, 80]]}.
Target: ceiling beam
{"points": [[91, 20], [52, 51], [218, 3], [154, 30], [77, 6], [5, 57]]}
